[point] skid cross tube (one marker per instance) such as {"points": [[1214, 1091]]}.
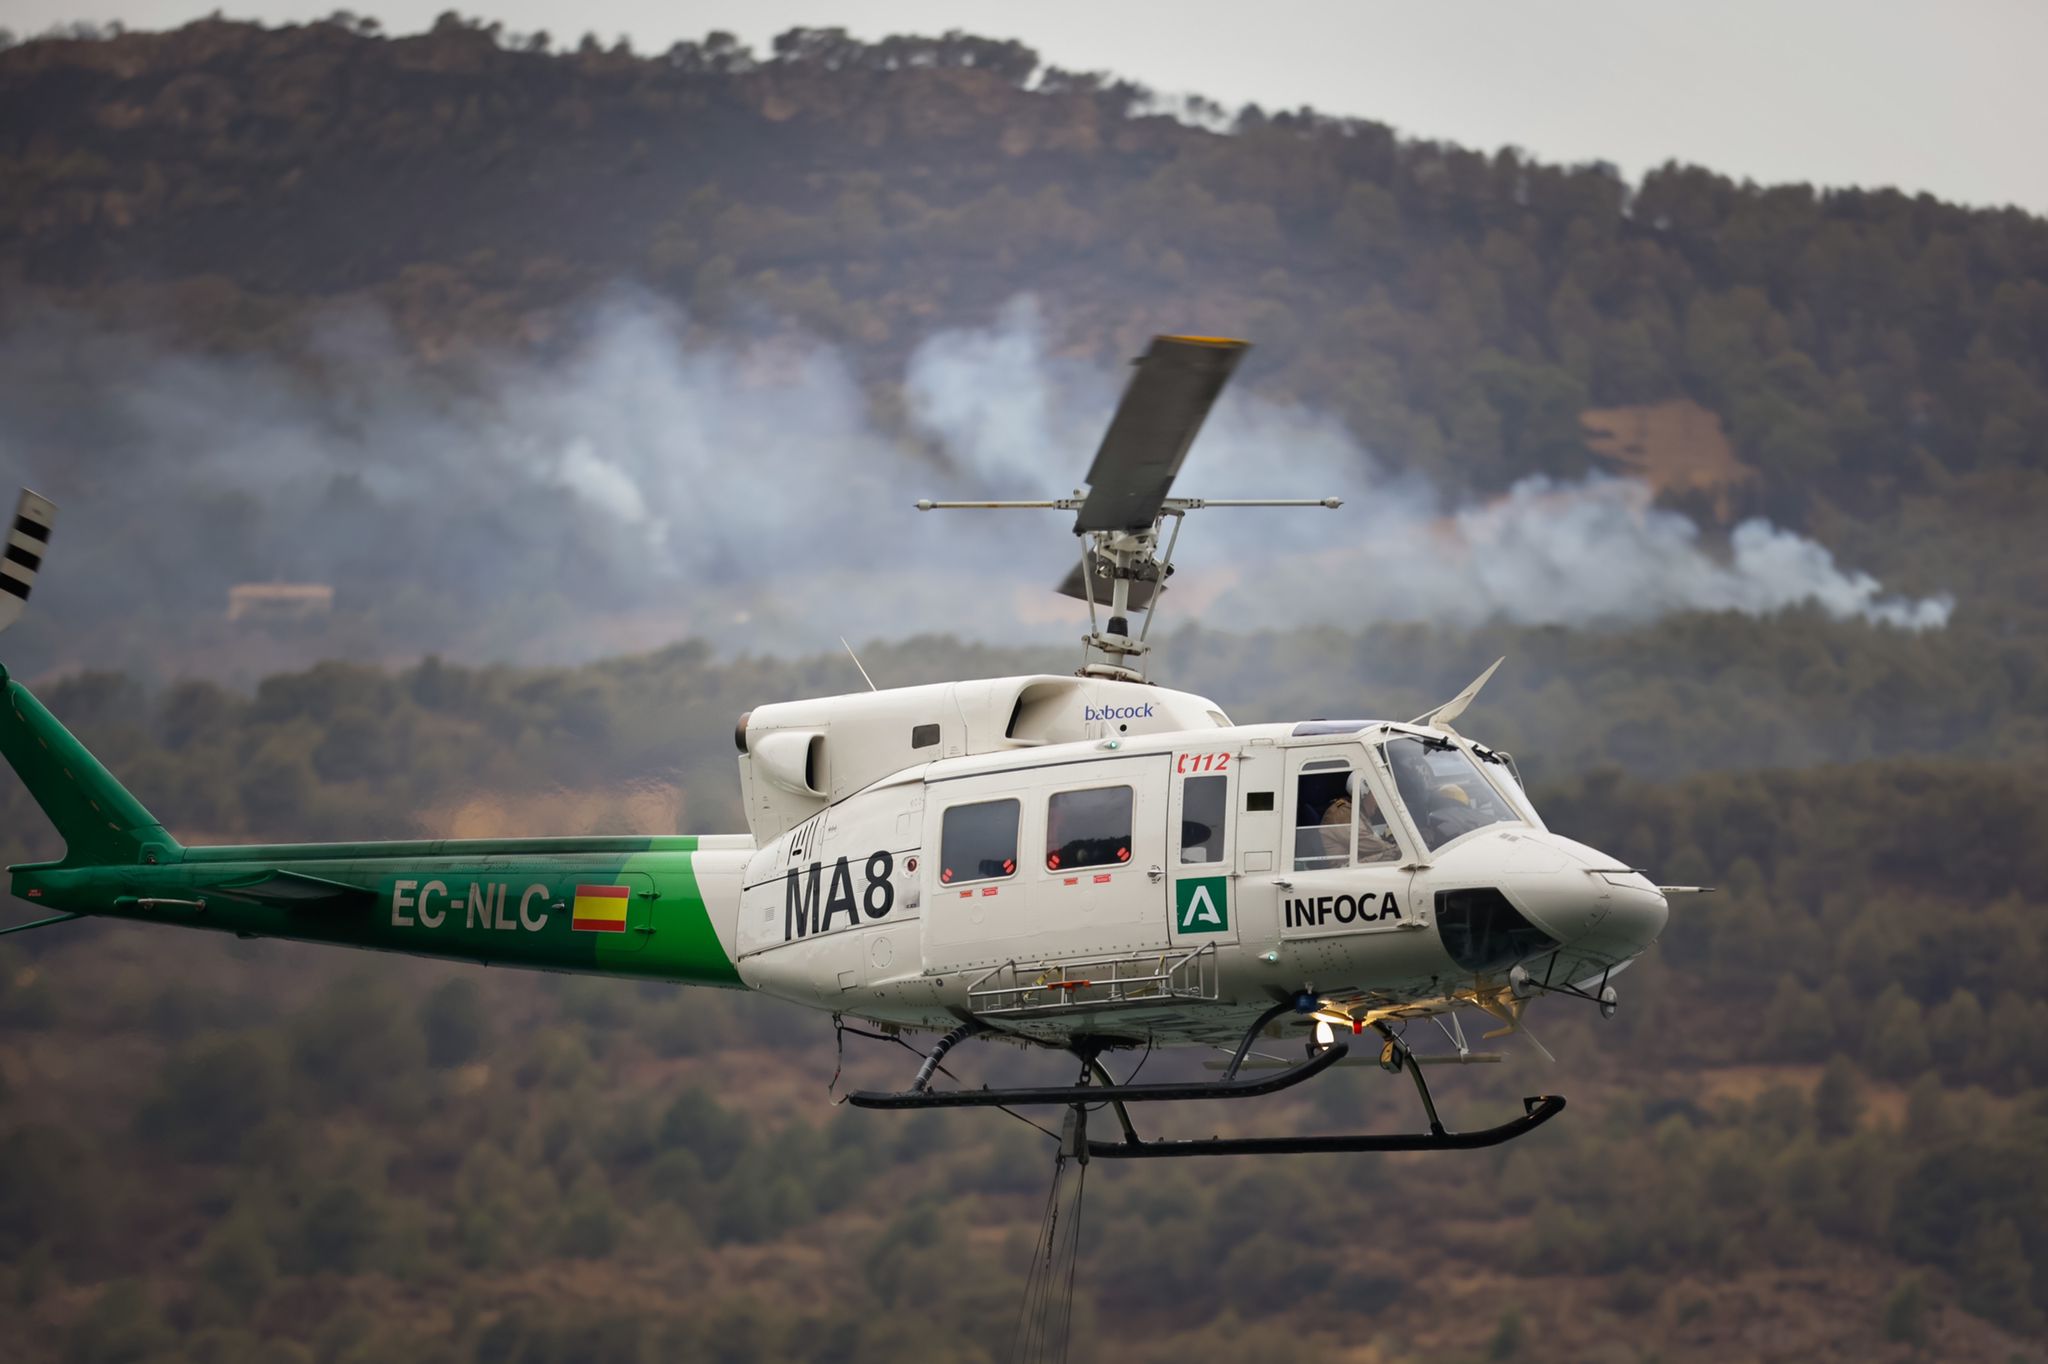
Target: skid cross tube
{"points": [[919, 1095], [1405, 1060], [1166, 1092]]}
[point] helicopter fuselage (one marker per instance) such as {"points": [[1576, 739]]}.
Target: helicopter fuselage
{"points": [[1167, 886], [1053, 857]]}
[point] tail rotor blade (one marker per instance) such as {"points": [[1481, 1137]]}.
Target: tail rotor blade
{"points": [[28, 540]]}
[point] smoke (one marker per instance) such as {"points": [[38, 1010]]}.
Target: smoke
{"points": [[1596, 552], [651, 480]]}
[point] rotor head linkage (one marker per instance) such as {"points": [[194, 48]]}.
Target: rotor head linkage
{"points": [[1172, 387], [1122, 571]]}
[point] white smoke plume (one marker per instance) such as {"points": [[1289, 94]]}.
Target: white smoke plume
{"points": [[1593, 552], [654, 480]]}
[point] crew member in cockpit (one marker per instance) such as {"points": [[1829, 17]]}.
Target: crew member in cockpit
{"points": [[1452, 812], [1375, 835], [1375, 839], [1336, 832]]}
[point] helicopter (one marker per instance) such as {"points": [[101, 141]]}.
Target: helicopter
{"points": [[1088, 863]]}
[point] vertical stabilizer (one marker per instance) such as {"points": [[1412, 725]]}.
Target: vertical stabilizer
{"points": [[100, 822]]}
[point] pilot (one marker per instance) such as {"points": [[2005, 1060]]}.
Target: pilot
{"points": [[1452, 811], [1375, 837], [1336, 832]]}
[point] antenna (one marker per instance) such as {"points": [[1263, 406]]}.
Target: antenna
{"points": [[1450, 710], [856, 663], [1119, 517]]}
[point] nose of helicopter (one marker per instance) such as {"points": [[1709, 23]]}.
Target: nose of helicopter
{"points": [[1585, 899]]}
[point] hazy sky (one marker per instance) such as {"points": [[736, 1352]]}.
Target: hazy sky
{"points": [[1945, 97]]}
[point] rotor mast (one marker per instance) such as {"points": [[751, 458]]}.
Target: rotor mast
{"points": [[1120, 516]]}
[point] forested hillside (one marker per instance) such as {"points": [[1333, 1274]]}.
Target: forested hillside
{"points": [[1864, 366], [1818, 1128], [1458, 307]]}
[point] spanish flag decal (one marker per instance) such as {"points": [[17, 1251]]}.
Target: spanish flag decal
{"points": [[600, 909]]}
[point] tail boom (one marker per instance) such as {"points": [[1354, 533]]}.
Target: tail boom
{"points": [[665, 908]]}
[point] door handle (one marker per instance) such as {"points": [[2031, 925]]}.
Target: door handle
{"points": [[1156, 873]]}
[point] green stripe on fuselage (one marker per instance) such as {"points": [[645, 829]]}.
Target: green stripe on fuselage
{"points": [[494, 901]]}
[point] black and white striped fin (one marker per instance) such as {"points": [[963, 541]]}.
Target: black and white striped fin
{"points": [[28, 540]]}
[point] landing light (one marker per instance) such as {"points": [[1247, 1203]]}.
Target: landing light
{"points": [[1325, 1035]]}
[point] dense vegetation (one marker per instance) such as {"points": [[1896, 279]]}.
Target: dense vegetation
{"points": [[1821, 1115], [348, 750], [1819, 1126]]}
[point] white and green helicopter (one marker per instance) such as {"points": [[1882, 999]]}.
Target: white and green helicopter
{"points": [[1088, 863]]}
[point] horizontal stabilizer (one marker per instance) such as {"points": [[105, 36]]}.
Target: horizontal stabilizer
{"points": [[296, 890]]}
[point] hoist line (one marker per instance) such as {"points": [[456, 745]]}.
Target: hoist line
{"points": [[1045, 1316]]}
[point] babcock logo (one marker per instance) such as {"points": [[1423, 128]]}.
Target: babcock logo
{"points": [[1143, 712]]}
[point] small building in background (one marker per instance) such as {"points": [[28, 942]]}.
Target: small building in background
{"points": [[264, 602]]}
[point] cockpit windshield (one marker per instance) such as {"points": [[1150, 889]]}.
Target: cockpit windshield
{"points": [[1444, 790]]}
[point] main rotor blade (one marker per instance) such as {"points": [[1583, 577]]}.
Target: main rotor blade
{"points": [[1175, 383]]}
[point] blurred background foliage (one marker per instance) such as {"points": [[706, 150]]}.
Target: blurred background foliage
{"points": [[1822, 1111]]}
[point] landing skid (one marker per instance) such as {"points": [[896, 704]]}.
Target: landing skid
{"points": [[1538, 1110], [1078, 1098]]}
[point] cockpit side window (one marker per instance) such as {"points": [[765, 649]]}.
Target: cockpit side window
{"points": [[1322, 816], [1376, 842], [1205, 803], [1445, 794]]}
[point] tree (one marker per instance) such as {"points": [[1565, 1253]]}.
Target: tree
{"points": [[1837, 1100], [699, 1124], [237, 1260], [1798, 1025], [340, 1228], [1997, 1280], [1905, 1311], [46, 1195], [212, 1097], [123, 1326], [454, 1021], [1896, 1043]]}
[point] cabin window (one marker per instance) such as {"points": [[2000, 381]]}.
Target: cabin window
{"points": [[979, 842], [1088, 828], [1203, 804], [923, 736], [1322, 816]]}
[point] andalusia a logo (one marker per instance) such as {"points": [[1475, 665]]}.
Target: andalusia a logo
{"points": [[1201, 904]]}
